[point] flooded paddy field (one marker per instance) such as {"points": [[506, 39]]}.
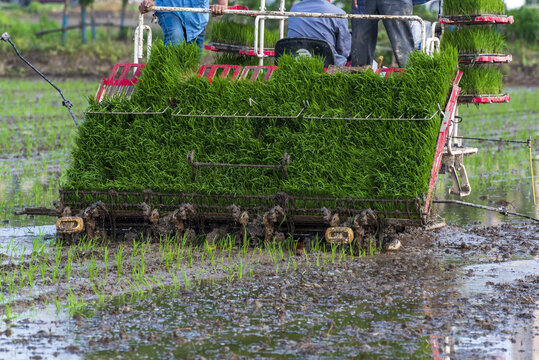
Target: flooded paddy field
{"points": [[468, 290]]}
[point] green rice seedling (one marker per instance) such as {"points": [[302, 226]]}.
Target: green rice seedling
{"points": [[281, 253], [475, 40], [56, 266], [8, 313], [176, 281], [106, 261], [92, 268], [99, 294], [240, 268], [372, 247], [342, 254], [158, 282], [11, 282], [351, 249], [119, 261], [69, 266], [43, 271], [140, 269], [179, 258], [334, 249], [74, 304], [86, 245], [484, 80], [209, 248], [190, 255], [245, 243], [58, 305], [473, 7], [30, 275]]}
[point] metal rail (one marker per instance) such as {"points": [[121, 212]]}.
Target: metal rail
{"points": [[195, 165], [273, 15]]}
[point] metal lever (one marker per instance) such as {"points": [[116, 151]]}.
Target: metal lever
{"points": [[194, 165], [459, 187]]}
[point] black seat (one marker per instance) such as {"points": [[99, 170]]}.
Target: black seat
{"points": [[305, 47]]}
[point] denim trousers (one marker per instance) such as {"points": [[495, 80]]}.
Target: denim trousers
{"points": [[174, 30], [365, 32]]}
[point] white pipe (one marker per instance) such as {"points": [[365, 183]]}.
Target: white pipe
{"points": [[260, 52], [261, 31], [149, 42], [139, 40], [285, 14], [281, 22]]}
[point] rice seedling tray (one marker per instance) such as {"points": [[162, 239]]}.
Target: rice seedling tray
{"points": [[236, 49], [479, 19], [485, 58], [300, 110], [483, 99]]}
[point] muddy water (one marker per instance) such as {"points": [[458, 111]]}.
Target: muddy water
{"points": [[462, 293]]}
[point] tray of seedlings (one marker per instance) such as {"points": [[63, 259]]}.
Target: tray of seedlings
{"points": [[481, 48], [235, 37], [474, 12]]}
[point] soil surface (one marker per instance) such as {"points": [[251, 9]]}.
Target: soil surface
{"points": [[457, 292]]}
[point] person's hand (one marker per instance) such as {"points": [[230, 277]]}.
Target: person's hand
{"points": [[355, 3], [218, 9], [146, 6]]}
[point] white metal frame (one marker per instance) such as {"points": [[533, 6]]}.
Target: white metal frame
{"points": [[138, 52], [281, 15]]}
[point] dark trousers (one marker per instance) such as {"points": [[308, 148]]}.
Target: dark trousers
{"points": [[365, 32]]}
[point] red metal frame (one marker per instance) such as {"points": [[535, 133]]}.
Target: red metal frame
{"points": [[209, 71], [255, 72], [121, 80], [241, 52], [484, 99], [476, 19], [449, 115], [500, 59]]}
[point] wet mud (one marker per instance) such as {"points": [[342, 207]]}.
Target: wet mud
{"points": [[456, 292]]}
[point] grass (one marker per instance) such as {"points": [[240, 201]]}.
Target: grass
{"points": [[475, 40], [139, 152], [481, 79], [473, 7], [230, 32]]}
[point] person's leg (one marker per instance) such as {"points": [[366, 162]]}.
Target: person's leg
{"points": [[172, 27], [199, 41], [399, 32], [364, 34]]}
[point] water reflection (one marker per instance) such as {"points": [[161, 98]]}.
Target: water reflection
{"points": [[523, 342]]}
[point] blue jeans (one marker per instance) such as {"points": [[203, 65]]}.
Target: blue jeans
{"points": [[174, 30]]}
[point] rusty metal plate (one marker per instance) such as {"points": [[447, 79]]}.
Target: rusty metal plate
{"points": [[339, 235], [69, 225]]}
